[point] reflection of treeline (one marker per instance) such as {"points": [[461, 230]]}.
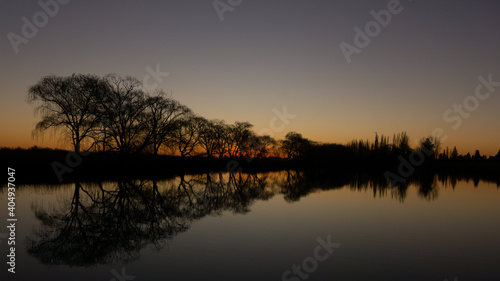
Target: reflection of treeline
{"points": [[113, 221], [296, 185], [102, 224], [36, 165]]}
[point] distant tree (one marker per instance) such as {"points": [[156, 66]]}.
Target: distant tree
{"points": [[124, 113], [430, 146], [467, 156], [376, 144], [477, 155], [401, 142], [294, 145], [454, 153], [162, 112], [444, 155], [68, 102], [437, 145], [265, 145], [237, 136], [258, 146], [222, 137], [185, 134], [209, 136], [384, 145]]}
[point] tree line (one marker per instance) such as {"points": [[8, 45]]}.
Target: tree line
{"points": [[114, 113]]}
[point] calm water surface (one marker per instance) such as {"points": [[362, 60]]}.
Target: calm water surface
{"points": [[271, 226]]}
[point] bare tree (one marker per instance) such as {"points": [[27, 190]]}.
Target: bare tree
{"points": [[161, 114], [221, 137], [430, 146], [208, 137], [68, 102], [454, 153], [294, 145], [258, 146], [237, 136], [401, 142], [124, 111], [185, 134]]}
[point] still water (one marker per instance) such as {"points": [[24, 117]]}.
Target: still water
{"points": [[270, 226]]}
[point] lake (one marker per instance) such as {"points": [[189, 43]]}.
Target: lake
{"points": [[283, 225]]}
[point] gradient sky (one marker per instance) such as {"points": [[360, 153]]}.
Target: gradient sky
{"points": [[271, 54]]}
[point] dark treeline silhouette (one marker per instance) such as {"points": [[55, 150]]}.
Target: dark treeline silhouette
{"points": [[114, 113], [113, 221], [384, 153], [120, 125]]}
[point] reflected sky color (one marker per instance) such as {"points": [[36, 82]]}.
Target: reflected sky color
{"points": [[452, 232], [267, 55]]}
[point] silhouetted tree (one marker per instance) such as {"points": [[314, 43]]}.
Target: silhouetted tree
{"points": [[294, 145], [185, 134], [454, 153], [498, 155], [477, 155], [162, 112], [384, 145], [214, 136], [237, 136], [209, 138], [259, 146], [70, 103], [401, 142], [124, 110], [445, 155], [114, 113], [467, 156], [430, 146]]}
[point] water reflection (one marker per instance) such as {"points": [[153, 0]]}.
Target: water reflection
{"points": [[103, 224], [111, 222]]}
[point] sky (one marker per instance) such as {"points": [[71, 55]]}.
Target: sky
{"points": [[331, 70]]}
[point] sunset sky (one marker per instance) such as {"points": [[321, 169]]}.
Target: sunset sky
{"points": [[252, 58]]}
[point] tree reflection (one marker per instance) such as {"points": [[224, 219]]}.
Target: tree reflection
{"points": [[427, 187], [104, 225], [111, 222]]}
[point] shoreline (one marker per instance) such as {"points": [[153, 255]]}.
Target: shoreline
{"points": [[59, 166]]}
